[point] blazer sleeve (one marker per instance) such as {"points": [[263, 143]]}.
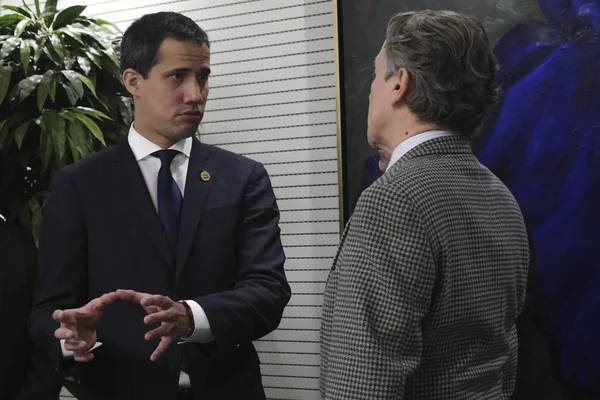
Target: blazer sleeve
{"points": [[254, 307], [61, 266], [384, 289]]}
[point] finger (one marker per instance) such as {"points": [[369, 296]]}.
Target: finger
{"points": [[152, 309], [83, 356], [164, 344], [160, 316], [157, 300], [66, 317], [98, 304], [65, 333], [164, 330], [131, 295], [76, 345]]}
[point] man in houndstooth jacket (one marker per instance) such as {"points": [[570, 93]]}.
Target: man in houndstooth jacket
{"points": [[425, 291]]}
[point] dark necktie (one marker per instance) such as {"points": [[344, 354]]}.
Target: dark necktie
{"points": [[169, 197]]}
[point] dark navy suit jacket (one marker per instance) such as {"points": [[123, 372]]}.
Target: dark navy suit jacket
{"points": [[101, 232]]}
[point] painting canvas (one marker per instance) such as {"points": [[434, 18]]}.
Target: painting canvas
{"points": [[542, 140]]}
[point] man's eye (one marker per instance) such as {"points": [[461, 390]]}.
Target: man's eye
{"points": [[177, 76]]}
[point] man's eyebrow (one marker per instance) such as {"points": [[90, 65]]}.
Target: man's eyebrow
{"points": [[186, 70], [177, 70]]}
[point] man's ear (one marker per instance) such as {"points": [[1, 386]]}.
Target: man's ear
{"points": [[132, 81], [400, 81]]}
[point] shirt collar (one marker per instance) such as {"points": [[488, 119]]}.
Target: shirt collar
{"points": [[413, 142], [142, 147]]}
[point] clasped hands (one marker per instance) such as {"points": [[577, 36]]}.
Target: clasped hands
{"points": [[78, 326]]}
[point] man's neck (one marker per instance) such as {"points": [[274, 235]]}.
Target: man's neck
{"points": [[399, 135], [155, 138]]}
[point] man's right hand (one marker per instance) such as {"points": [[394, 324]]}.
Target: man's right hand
{"points": [[78, 326]]}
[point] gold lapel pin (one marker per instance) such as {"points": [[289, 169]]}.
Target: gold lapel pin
{"points": [[205, 176]]}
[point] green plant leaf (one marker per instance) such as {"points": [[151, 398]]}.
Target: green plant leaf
{"points": [[113, 56], [73, 33], [45, 150], [69, 63], [126, 109], [21, 27], [26, 6], [5, 75], [3, 135], [59, 137], [49, 12], [57, 45], [33, 204], [112, 69], [92, 76], [78, 136], [70, 94], [84, 64], [103, 22], [38, 50], [87, 83], [66, 16], [9, 46], [95, 59], [43, 88], [89, 111], [52, 90], [28, 85], [75, 82], [20, 133], [10, 19], [19, 10], [74, 151], [91, 125], [25, 54], [50, 4]]}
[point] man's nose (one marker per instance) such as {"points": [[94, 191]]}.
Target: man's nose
{"points": [[193, 93]]}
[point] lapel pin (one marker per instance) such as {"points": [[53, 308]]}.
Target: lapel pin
{"points": [[205, 176]]}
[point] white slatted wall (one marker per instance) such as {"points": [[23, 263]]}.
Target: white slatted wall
{"points": [[272, 98]]}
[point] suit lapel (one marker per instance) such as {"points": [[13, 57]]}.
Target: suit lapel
{"points": [[131, 182], [200, 176]]}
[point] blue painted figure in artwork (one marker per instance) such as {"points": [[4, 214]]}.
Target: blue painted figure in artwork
{"points": [[543, 141]]}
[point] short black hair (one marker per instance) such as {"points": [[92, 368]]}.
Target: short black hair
{"points": [[141, 41]]}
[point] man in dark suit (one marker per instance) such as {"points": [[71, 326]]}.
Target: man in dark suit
{"points": [[189, 229], [24, 375]]}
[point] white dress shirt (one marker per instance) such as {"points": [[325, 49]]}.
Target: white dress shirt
{"points": [[413, 142]]}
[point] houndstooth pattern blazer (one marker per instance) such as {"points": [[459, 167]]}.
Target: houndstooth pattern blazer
{"points": [[425, 291]]}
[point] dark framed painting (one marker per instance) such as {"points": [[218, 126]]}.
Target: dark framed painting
{"points": [[542, 140]]}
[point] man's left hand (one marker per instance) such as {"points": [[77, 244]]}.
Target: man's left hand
{"points": [[172, 316]]}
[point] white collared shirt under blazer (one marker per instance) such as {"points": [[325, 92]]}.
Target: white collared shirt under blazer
{"points": [[424, 293]]}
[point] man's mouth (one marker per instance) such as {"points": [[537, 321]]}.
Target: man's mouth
{"points": [[193, 113]]}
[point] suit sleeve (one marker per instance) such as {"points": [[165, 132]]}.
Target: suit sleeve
{"points": [[384, 291], [253, 308], [62, 265]]}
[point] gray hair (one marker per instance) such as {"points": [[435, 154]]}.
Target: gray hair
{"points": [[451, 66]]}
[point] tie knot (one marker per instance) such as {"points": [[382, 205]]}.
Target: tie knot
{"points": [[165, 156]]}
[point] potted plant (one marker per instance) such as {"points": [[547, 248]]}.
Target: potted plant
{"points": [[61, 99]]}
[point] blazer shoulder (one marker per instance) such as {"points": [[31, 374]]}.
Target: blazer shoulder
{"points": [[95, 161], [234, 160]]}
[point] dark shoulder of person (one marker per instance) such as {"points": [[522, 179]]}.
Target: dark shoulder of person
{"points": [[24, 374]]}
